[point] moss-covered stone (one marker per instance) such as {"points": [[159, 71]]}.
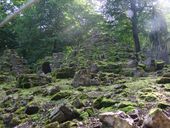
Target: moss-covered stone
{"points": [[167, 87], [124, 104], [160, 65], [164, 80], [110, 67], [53, 125], [68, 124], [3, 78], [60, 95], [32, 80], [150, 98], [104, 102], [163, 105], [128, 109], [67, 72]]}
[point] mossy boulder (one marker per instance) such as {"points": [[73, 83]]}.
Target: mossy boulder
{"points": [[53, 125], [103, 102], [160, 65], [163, 105], [66, 72], [60, 95], [110, 67], [86, 112], [3, 79], [63, 113], [124, 104], [167, 87], [85, 78], [68, 124], [164, 80], [149, 97], [32, 80]]}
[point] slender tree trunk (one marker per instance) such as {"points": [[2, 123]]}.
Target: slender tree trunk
{"points": [[134, 26]]}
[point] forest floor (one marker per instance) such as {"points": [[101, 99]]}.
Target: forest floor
{"points": [[35, 106]]}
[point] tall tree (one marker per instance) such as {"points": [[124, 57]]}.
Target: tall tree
{"points": [[129, 13]]}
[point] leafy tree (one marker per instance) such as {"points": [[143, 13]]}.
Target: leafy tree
{"points": [[129, 15]]}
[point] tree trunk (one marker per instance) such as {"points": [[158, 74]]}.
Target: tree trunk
{"points": [[134, 26]]}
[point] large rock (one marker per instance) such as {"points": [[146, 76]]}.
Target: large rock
{"points": [[32, 80], [85, 78], [10, 61], [66, 72], [62, 114], [117, 120], [132, 64], [57, 59], [156, 119]]}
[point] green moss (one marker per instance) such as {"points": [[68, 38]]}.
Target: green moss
{"points": [[68, 124], [164, 80], [107, 109], [110, 67], [124, 104], [154, 111], [87, 112], [32, 80], [128, 109], [20, 110], [146, 90], [84, 115], [62, 94], [103, 102], [67, 72], [53, 125], [150, 98], [167, 87]]}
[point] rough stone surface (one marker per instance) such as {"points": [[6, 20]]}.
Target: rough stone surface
{"points": [[10, 61], [62, 114], [117, 120], [32, 80], [156, 119], [84, 78]]}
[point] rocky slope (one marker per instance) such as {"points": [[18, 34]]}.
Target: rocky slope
{"points": [[108, 92]]}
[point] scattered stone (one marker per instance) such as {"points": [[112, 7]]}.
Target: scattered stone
{"points": [[26, 125], [62, 114], [117, 120], [111, 68], [30, 110], [66, 72], [52, 90], [132, 64], [163, 105], [10, 61], [156, 119], [103, 102], [68, 124], [164, 80], [53, 125], [57, 60], [78, 103], [3, 78], [160, 65], [120, 86], [94, 68], [32, 80], [60, 95], [84, 78]]}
